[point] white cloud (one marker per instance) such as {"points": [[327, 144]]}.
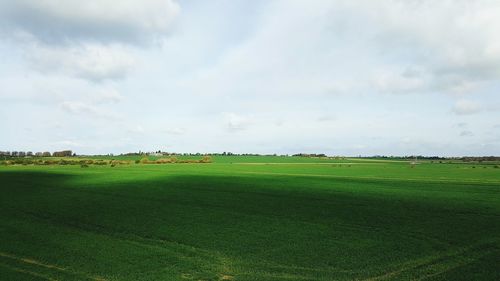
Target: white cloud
{"points": [[466, 107], [137, 129], [82, 108], [107, 95], [326, 118], [455, 41], [175, 131], [236, 122], [350, 46], [94, 62], [406, 81], [69, 144]]}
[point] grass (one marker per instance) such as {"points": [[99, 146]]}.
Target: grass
{"points": [[251, 218]]}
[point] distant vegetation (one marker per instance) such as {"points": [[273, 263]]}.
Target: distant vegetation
{"points": [[84, 162], [162, 157], [63, 153]]}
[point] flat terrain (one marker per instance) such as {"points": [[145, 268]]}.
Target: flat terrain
{"points": [[251, 218]]}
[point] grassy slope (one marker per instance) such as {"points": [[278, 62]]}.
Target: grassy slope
{"points": [[369, 219]]}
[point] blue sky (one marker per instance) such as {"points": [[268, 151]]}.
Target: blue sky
{"points": [[338, 77]]}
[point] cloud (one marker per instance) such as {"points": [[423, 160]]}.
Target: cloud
{"points": [[454, 42], [107, 95], [401, 81], [352, 47], [56, 21], [69, 143], [466, 133], [326, 118], [175, 131], [236, 122], [93, 62], [82, 108], [91, 40], [466, 107], [137, 130]]}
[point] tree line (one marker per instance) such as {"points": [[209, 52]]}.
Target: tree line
{"points": [[62, 153]]}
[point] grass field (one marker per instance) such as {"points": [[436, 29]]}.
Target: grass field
{"points": [[251, 218]]}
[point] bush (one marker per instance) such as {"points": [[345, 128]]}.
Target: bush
{"points": [[496, 167], [137, 161], [84, 166], [206, 159], [163, 161]]}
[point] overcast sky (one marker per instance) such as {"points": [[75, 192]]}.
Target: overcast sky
{"points": [[337, 77]]}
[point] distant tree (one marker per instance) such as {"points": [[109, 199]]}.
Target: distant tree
{"points": [[64, 153]]}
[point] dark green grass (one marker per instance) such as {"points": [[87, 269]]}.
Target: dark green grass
{"points": [[377, 221]]}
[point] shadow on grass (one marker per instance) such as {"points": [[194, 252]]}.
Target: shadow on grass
{"points": [[251, 227]]}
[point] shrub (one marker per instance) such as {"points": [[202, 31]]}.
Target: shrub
{"points": [[163, 161], [496, 167], [137, 161], [118, 162], [206, 159], [84, 166]]}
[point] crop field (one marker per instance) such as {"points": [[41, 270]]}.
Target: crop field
{"points": [[251, 218]]}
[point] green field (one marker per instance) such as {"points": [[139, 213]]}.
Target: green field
{"points": [[251, 218]]}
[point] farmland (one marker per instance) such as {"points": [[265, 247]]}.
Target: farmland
{"points": [[251, 218]]}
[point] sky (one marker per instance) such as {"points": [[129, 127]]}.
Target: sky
{"points": [[341, 77]]}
